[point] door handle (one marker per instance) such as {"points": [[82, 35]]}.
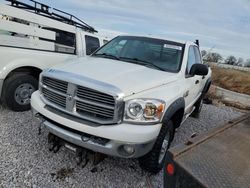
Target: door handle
{"points": [[197, 81]]}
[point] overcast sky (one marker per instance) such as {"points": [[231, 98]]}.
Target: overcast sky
{"points": [[222, 24]]}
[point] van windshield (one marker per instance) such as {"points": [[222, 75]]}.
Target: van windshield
{"points": [[154, 53]]}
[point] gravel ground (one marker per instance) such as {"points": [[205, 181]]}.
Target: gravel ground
{"points": [[26, 161]]}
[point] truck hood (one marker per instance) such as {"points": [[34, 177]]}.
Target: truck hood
{"points": [[128, 77]]}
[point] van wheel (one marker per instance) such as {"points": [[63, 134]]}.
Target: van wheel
{"points": [[17, 91], [154, 160]]}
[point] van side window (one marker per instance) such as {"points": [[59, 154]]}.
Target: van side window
{"points": [[191, 59], [65, 38], [65, 41], [92, 43]]}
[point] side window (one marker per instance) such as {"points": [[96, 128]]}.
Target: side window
{"points": [[191, 59], [92, 43], [65, 41], [197, 55]]}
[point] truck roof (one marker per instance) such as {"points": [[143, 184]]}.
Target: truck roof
{"points": [[163, 38]]}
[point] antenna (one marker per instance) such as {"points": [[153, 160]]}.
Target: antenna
{"points": [[56, 14]]}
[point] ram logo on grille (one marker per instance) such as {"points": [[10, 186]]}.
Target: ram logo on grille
{"points": [[69, 97]]}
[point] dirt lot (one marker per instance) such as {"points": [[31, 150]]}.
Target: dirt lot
{"points": [[26, 161], [234, 80]]}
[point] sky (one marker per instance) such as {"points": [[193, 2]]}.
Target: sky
{"points": [[221, 25]]}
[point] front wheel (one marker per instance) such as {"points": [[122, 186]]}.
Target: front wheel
{"points": [[17, 91], [154, 160], [198, 106]]}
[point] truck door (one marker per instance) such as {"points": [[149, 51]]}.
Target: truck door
{"points": [[199, 60], [192, 83]]}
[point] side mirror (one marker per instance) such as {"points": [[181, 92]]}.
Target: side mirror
{"points": [[199, 69]]}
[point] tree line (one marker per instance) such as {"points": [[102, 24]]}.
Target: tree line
{"points": [[230, 60]]}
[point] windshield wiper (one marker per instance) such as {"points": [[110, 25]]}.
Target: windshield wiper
{"points": [[142, 62], [107, 55]]}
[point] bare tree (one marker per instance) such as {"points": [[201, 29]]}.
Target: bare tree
{"points": [[214, 57], [247, 63], [240, 61], [203, 53], [231, 60]]}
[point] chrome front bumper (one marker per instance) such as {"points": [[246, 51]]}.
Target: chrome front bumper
{"points": [[109, 147]]}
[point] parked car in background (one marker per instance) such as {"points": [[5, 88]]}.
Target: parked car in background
{"points": [[126, 99], [33, 38]]}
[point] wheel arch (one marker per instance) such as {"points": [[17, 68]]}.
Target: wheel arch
{"points": [[175, 112], [31, 70], [207, 86]]}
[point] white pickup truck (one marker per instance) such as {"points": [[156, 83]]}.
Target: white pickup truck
{"points": [[35, 37], [126, 99]]}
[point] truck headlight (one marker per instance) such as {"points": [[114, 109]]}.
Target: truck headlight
{"points": [[143, 111]]}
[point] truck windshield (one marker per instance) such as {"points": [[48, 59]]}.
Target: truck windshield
{"points": [[153, 53]]}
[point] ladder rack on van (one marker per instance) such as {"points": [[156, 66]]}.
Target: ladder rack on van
{"points": [[56, 14]]}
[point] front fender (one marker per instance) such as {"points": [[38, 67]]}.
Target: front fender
{"points": [[177, 105]]}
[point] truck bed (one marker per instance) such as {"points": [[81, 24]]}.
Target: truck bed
{"points": [[219, 158]]}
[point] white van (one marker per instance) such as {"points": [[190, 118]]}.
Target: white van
{"points": [[35, 37]]}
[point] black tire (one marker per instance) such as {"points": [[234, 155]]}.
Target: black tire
{"points": [[150, 162], [198, 106], [10, 87]]}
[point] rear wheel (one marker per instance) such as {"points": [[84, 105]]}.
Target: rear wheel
{"points": [[17, 91], [154, 160]]}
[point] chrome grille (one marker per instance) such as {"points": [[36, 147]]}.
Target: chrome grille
{"points": [[54, 97], [80, 101], [95, 111], [55, 84], [95, 96], [94, 103]]}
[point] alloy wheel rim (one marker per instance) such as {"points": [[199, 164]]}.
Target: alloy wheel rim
{"points": [[23, 93]]}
